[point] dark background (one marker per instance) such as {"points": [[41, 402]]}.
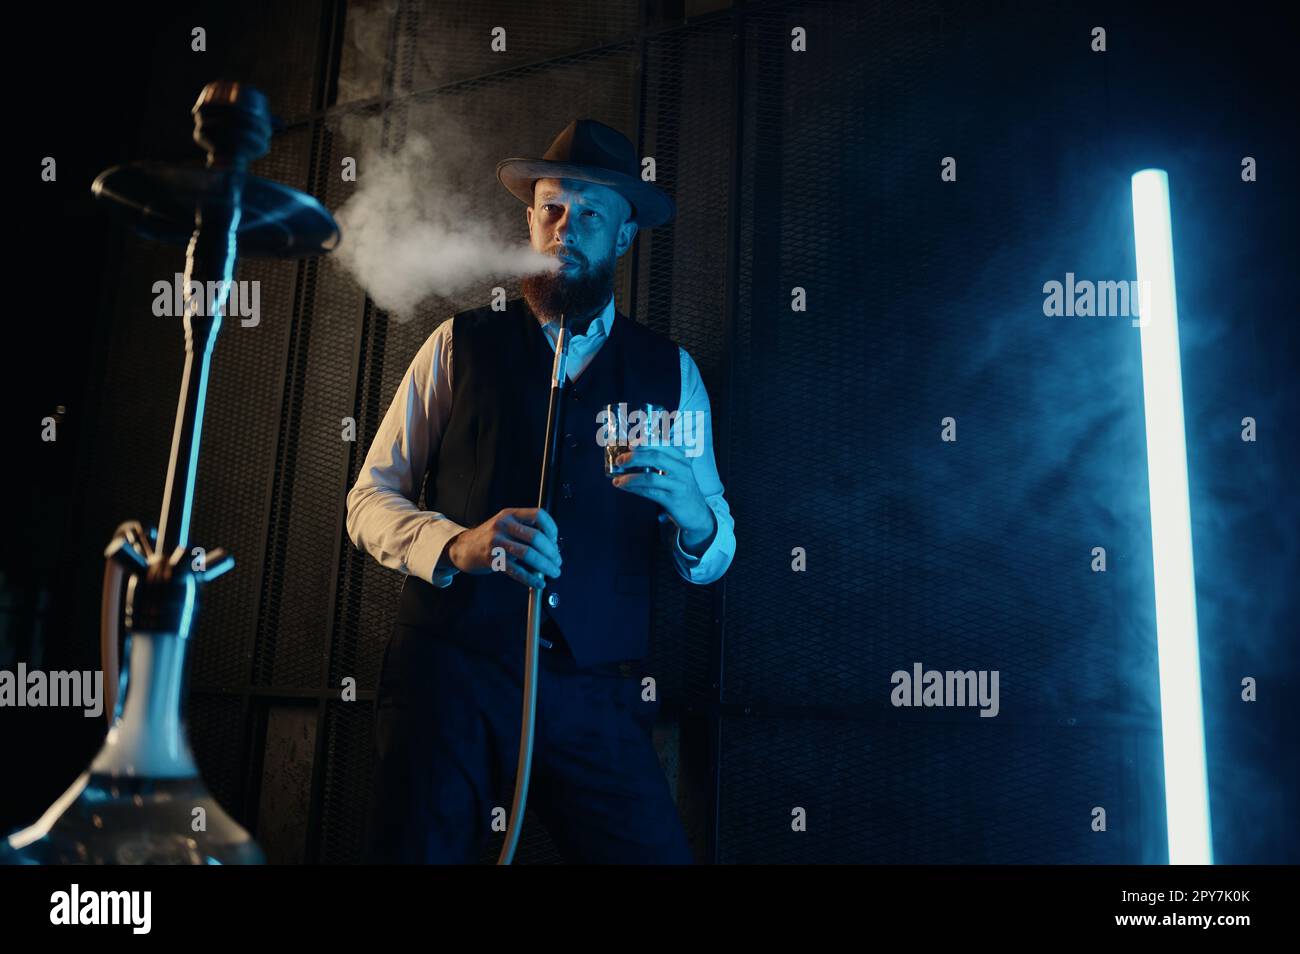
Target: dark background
{"points": [[818, 170]]}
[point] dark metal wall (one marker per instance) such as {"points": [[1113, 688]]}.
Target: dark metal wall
{"points": [[817, 170]]}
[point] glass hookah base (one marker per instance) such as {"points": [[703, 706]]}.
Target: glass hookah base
{"points": [[139, 821]]}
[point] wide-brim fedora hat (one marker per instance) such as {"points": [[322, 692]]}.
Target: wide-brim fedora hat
{"points": [[592, 152]]}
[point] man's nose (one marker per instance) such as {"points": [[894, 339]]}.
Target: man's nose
{"points": [[563, 234]]}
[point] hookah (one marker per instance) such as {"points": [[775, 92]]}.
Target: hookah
{"points": [[142, 800]]}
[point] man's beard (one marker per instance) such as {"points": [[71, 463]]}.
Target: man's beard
{"points": [[579, 297]]}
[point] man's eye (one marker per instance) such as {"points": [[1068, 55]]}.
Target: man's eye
{"points": [[548, 206]]}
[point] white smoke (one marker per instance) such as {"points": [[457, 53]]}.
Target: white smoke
{"points": [[411, 232]]}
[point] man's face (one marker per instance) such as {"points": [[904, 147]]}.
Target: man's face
{"points": [[586, 226]]}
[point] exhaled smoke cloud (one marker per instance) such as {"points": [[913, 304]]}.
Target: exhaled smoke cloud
{"points": [[411, 233]]}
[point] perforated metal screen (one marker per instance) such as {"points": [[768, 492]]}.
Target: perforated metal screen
{"points": [[955, 555]]}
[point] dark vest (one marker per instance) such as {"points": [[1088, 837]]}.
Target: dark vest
{"points": [[490, 457]]}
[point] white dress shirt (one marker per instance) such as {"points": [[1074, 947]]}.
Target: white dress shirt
{"points": [[385, 519]]}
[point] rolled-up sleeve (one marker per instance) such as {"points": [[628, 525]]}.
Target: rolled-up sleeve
{"points": [[383, 514], [714, 561]]}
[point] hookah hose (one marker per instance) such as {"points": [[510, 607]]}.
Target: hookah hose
{"points": [[130, 538], [533, 625], [110, 611]]}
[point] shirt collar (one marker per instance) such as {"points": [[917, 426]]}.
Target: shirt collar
{"points": [[604, 321]]}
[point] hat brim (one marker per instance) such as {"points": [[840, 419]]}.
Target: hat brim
{"points": [[651, 205]]}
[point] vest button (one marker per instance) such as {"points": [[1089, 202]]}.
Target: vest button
{"points": [[575, 396], [566, 489], [570, 440], [559, 543], [553, 600]]}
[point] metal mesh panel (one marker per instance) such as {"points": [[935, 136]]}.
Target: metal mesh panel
{"points": [[219, 749], [958, 555], [361, 623], [912, 794], [241, 430], [275, 47], [910, 534], [349, 760], [442, 41], [296, 616], [305, 534], [682, 287], [319, 394]]}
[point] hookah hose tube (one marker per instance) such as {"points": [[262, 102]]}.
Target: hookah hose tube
{"points": [[129, 538], [110, 616], [533, 625]]}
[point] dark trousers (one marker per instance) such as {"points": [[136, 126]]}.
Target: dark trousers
{"points": [[447, 742]]}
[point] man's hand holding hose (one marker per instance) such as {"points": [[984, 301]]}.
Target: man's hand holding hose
{"points": [[527, 535]]}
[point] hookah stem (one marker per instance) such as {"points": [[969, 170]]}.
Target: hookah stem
{"points": [[514, 826], [210, 259]]}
